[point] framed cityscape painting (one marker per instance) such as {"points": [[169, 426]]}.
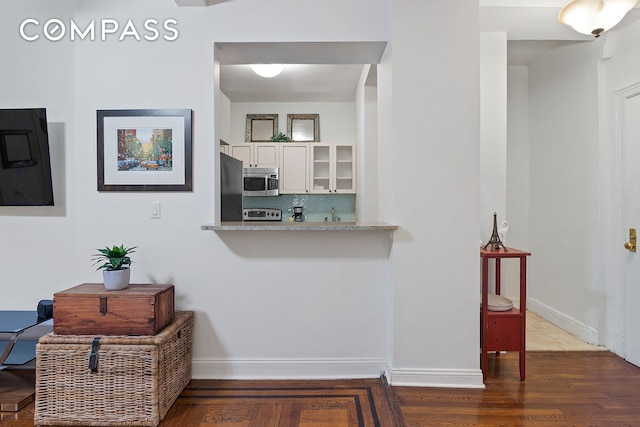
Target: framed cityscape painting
{"points": [[144, 150]]}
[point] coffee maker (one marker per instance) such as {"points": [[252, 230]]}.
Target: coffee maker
{"points": [[298, 216]]}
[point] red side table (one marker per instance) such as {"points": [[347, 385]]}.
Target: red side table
{"points": [[503, 330]]}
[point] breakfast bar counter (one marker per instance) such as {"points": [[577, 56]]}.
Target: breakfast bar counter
{"points": [[299, 226]]}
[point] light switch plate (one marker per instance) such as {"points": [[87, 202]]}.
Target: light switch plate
{"points": [[155, 210]]}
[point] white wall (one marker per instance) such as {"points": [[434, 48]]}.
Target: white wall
{"points": [[575, 235], [270, 304], [493, 131], [564, 189], [224, 118], [337, 119], [37, 243], [517, 157], [619, 71], [493, 144], [282, 304], [434, 197], [367, 149]]}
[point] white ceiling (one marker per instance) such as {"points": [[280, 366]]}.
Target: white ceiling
{"points": [[314, 72], [523, 52], [296, 83], [331, 71]]}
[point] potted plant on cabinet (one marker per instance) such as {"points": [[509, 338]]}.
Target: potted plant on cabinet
{"points": [[115, 266], [281, 137]]}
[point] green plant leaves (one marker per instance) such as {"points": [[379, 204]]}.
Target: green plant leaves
{"points": [[114, 258], [281, 137]]}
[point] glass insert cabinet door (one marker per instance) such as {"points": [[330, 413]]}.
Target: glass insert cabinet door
{"points": [[332, 169], [344, 175]]}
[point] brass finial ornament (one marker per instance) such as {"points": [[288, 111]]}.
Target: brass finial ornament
{"points": [[494, 242]]}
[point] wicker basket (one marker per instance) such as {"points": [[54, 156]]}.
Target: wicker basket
{"points": [[137, 379]]}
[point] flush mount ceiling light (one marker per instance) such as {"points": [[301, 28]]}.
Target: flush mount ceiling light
{"points": [[595, 16], [267, 70]]}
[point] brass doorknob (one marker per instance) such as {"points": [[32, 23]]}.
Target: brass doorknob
{"points": [[631, 244]]}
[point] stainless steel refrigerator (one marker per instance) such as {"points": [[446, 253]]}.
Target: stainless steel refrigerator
{"points": [[230, 188]]}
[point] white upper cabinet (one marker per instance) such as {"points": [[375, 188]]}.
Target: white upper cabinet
{"points": [[294, 170], [242, 152], [257, 154], [305, 167], [333, 168]]}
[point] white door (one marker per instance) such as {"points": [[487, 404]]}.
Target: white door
{"points": [[630, 162]]}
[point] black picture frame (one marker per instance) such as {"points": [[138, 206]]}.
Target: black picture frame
{"points": [[163, 162]]}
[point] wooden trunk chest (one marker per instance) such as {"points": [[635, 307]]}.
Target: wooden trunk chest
{"points": [[90, 309], [132, 381]]}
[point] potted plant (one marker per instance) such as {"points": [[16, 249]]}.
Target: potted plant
{"points": [[281, 137], [115, 266]]}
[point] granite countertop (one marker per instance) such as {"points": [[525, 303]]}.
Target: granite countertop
{"points": [[299, 226]]}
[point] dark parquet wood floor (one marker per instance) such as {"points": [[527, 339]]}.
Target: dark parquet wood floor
{"points": [[561, 389], [353, 403]]}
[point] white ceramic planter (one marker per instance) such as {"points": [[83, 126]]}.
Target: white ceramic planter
{"points": [[115, 280]]}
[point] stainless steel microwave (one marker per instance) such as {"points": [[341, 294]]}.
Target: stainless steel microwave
{"points": [[260, 181]]}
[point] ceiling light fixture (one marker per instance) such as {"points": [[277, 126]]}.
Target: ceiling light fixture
{"points": [[267, 70], [595, 16]]}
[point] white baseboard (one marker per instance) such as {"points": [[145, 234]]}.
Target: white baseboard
{"points": [[276, 369], [575, 327], [471, 378], [272, 369]]}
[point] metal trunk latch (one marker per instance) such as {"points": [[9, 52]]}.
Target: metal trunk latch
{"points": [[103, 305]]}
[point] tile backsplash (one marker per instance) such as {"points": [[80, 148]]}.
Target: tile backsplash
{"points": [[317, 207]]}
